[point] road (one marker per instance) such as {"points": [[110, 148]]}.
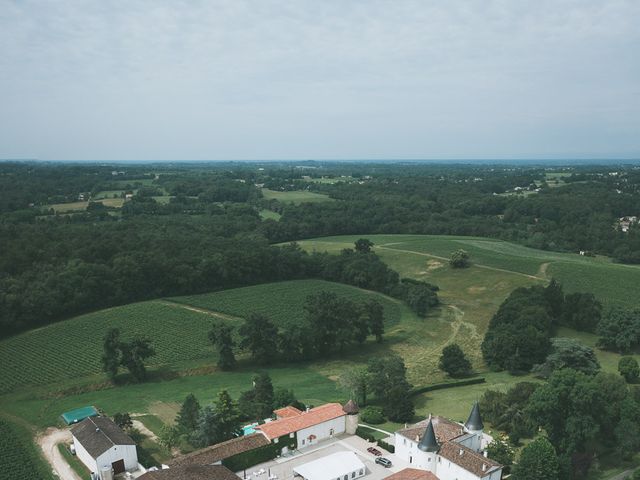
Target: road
{"points": [[49, 444]]}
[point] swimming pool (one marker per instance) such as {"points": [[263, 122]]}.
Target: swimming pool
{"points": [[249, 429]]}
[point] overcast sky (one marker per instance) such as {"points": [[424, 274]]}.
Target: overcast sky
{"points": [[319, 79]]}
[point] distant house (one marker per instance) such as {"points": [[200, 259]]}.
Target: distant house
{"points": [[100, 444], [191, 472]]}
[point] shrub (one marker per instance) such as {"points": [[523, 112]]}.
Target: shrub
{"points": [[387, 446], [364, 433], [372, 415]]}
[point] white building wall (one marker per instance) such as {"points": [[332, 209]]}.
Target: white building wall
{"points": [[127, 453], [84, 456], [321, 431]]}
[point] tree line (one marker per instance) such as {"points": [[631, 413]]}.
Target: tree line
{"points": [[331, 325]]}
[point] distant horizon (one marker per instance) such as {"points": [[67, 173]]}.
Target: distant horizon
{"points": [[481, 161]]}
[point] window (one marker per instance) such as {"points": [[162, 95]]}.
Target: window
{"points": [[303, 444], [404, 441], [410, 459], [331, 434], [346, 477], [361, 472], [353, 474]]}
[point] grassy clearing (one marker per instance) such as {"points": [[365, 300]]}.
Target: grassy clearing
{"points": [[81, 206], [42, 410], [612, 283], [268, 214], [297, 196], [73, 461]]}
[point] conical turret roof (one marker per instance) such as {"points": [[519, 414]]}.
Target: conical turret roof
{"points": [[474, 422], [350, 408], [428, 443]]}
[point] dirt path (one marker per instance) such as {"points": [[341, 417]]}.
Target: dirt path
{"points": [[138, 425], [486, 267], [221, 316], [48, 442], [542, 272]]}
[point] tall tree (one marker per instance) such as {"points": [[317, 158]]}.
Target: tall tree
{"points": [[363, 245], [454, 361], [355, 382], [208, 430], [374, 312], [134, 353], [111, 356], [227, 415], [629, 369], [537, 461], [221, 337], [388, 381], [187, 419], [260, 336], [263, 399]]}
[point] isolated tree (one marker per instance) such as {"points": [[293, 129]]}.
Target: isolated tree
{"points": [[629, 369], [221, 337], [260, 336], [187, 419], [134, 353], [374, 313], [459, 259], [123, 420], [454, 362], [363, 245], [355, 382], [537, 461], [420, 298], [111, 356]]}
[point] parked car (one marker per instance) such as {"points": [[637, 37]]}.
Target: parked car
{"points": [[374, 451], [385, 462]]}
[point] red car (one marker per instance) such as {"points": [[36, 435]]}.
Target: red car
{"points": [[374, 451]]}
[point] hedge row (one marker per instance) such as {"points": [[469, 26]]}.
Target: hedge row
{"points": [[441, 386], [387, 446], [263, 454]]}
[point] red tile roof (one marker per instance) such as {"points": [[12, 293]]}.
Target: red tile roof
{"points": [[220, 451], [315, 416], [412, 474], [287, 412]]}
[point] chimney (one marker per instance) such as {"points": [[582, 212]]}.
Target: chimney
{"points": [[461, 452], [417, 438], [484, 467], [97, 429], [486, 454]]}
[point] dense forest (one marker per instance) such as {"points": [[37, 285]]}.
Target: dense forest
{"points": [[191, 228]]}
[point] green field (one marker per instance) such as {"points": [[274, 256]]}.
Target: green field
{"points": [[296, 196], [40, 378], [19, 459], [178, 329]]}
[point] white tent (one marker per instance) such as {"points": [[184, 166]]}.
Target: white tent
{"points": [[337, 466]]}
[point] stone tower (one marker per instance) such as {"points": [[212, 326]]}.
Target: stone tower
{"points": [[475, 427], [352, 417]]}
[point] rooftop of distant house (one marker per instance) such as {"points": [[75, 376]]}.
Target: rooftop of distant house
{"points": [[293, 423]]}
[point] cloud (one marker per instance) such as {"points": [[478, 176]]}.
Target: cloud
{"points": [[305, 79]]}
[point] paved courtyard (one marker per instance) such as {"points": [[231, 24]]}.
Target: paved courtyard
{"points": [[282, 468]]}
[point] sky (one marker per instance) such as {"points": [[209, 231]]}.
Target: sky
{"points": [[319, 79]]}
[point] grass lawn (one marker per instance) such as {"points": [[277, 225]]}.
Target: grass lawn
{"points": [[296, 196], [268, 214]]}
